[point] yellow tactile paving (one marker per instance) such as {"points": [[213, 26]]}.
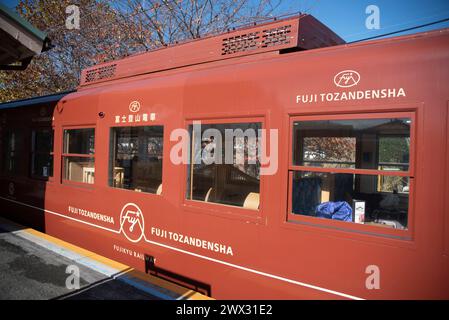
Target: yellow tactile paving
{"points": [[183, 293], [81, 251]]}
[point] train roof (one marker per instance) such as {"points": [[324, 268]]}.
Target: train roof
{"points": [[34, 101], [327, 41], [300, 32]]}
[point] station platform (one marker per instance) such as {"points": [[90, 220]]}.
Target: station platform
{"points": [[36, 266]]}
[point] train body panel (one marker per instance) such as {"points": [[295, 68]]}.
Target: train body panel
{"points": [[238, 252]]}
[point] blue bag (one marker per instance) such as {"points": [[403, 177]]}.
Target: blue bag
{"points": [[334, 210]]}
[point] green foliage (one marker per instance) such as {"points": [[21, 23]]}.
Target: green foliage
{"points": [[394, 149]]}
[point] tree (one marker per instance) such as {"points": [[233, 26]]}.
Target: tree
{"points": [[330, 149], [111, 30]]}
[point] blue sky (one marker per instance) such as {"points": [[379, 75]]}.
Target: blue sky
{"points": [[347, 17]]}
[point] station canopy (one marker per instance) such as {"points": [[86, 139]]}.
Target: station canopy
{"points": [[19, 41]]}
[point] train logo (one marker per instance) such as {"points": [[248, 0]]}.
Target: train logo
{"points": [[134, 106], [132, 223], [347, 79]]}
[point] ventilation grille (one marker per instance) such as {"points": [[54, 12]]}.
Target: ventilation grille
{"points": [[100, 73], [300, 32], [241, 43], [276, 36], [256, 40]]}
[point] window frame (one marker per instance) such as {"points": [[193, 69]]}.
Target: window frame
{"points": [[75, 155], [112, 148], [21, 169], [220, 209], [33, 152], [342, 225]]}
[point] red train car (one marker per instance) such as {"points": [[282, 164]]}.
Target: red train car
{"points": [[273, 161]]}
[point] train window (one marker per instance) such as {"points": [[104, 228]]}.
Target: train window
{"points": [[42, 153], [78, 155], [352, 170], [383, 144], [136, 158], [225, 167], [350, 197], [79, 141], [12, 146]]}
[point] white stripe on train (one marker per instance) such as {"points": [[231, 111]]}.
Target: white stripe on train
{"points": [[268, 275]]}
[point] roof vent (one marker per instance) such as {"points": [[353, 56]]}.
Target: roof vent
{"points": [[299, 32], [277, 36], [251, 41], [100, 73], [240, 43]]}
